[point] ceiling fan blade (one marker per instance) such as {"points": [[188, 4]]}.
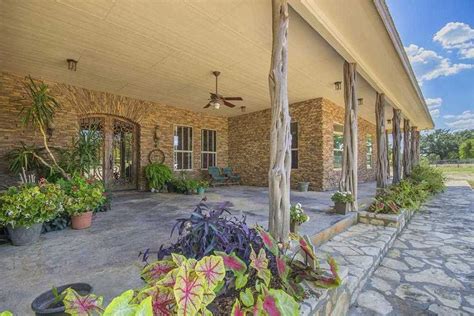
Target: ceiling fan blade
{"points": [[234, 98], [207, 105], [229, 104]]}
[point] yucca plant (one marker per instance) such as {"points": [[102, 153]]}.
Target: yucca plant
{"points": [[40, 114]]}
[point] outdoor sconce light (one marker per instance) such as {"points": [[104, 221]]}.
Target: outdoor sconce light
{"points": [[360, 101], [337, 85], [156, 136], [389, 121], [71, 64], [243, 109], [50, 129]]}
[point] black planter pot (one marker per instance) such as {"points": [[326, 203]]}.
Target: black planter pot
{"points": [[43, 304]]}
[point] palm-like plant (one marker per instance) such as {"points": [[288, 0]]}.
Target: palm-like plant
{"points": [[40, 114]]}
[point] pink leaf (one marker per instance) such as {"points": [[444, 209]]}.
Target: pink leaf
{"points": [[268, 240], [212, 269], [269, 305], [237, 309], [232, 262]]}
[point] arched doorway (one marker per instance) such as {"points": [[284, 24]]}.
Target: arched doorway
{"points": [[117, 159]]}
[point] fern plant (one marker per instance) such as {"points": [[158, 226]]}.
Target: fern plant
{"points": [[157, 175]]}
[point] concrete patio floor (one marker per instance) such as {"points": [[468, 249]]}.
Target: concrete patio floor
{"points": [[106, 255]]}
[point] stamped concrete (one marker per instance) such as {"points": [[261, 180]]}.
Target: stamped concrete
{"points": [[106, 255], [430, 268]]}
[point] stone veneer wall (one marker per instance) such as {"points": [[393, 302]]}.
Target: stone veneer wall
{"points": [[249, 144], [77, 102]]}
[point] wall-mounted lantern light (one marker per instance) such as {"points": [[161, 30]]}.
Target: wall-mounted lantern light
{"points": [[360, 101], [337, 85], [243, 109], [71, 64]]}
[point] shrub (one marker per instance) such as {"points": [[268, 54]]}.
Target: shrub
{"points": [[27, 205], [431, 178], [82, 195], [157, 175]]}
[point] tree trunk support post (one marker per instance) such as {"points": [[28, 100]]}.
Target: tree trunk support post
{"points": [[349, 158], [280, 136], [396, 154], [388, 154], [406, 148], [381, 163], [413, 146]]}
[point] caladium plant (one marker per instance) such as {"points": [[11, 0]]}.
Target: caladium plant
{"points": [[78, 305], [260, 264]]}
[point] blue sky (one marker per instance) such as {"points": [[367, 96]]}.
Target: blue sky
{"points": [[438, 36]]}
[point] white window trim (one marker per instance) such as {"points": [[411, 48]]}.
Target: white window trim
{"points": [[175, 151], [297, 148], [367, 152], [208, 152], [333, 149]]}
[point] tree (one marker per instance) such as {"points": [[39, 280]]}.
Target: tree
{"points": [[466, 150], [444, 143]]}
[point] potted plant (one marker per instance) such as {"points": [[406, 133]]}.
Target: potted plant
{"points": [[157, 175], [202, 186], [297, 217], [191, 186], [303, 186], [342, 201], [51, 302], [82, 197], [24, 209]]}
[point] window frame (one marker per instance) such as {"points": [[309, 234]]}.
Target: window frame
{"points": [[334, 132], [207, 151], [367, 153], [176, 151], [297, 147]]}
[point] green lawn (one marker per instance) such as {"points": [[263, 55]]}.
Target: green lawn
{"points": [[463, 172]]}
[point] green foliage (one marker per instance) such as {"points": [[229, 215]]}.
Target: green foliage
{"points": [[342, 197], [297, 214], [82, 195], [25, 156], [157, 175], [183, 185], [6, 313], [466, 150], [40, 112], [27, 205], [443, 144], [410, 193]]}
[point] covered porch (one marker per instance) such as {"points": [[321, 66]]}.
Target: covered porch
{"points": [[106, 255]]}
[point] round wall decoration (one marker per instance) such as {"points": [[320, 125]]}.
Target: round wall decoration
{"points": [[156, 155]]}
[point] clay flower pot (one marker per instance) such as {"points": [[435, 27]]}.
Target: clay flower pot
{"points": [[81, 221]]}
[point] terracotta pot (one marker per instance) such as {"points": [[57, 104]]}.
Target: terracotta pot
{"points": [[81, 221]]}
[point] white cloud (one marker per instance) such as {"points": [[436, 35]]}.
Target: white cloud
{"points": [[434, 103], [434, 113], [461, 121], [428, 65], [457, 35]]}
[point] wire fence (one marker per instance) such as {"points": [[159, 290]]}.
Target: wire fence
{"points": [[453, 162]]}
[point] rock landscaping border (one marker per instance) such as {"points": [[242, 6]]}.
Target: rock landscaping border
{"points": [[389, 220]]}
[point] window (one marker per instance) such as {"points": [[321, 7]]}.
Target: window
{"points": [[338, 145], [183, 148], [369, 151], [294, 145], [208, 148]]}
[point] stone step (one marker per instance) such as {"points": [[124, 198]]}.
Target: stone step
{"points": [[335, 229], [358, 250]]}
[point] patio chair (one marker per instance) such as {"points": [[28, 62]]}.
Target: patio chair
{"points": [[233, 177], [216, 177]]}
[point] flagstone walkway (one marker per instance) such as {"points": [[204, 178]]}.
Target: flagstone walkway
{"points": [[430, 268]]}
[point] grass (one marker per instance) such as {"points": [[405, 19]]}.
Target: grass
{"points": [[463, 172]]}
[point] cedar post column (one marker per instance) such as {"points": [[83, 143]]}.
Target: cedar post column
{"points": [[381, 164], [413, 148], [388, 153], [406, 148], [280, 136], [397, 139], [349, 158]]}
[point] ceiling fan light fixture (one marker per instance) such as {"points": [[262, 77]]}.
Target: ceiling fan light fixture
{"points": [[216, 105]]}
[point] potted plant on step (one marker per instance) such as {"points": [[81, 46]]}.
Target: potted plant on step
{"points": [[82, 197], [202, 186], [157, 175], [297, 217], [23, 210], [342, 201]]}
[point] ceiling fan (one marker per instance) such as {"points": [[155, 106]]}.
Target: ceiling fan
{"points": [[217, 99]]}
